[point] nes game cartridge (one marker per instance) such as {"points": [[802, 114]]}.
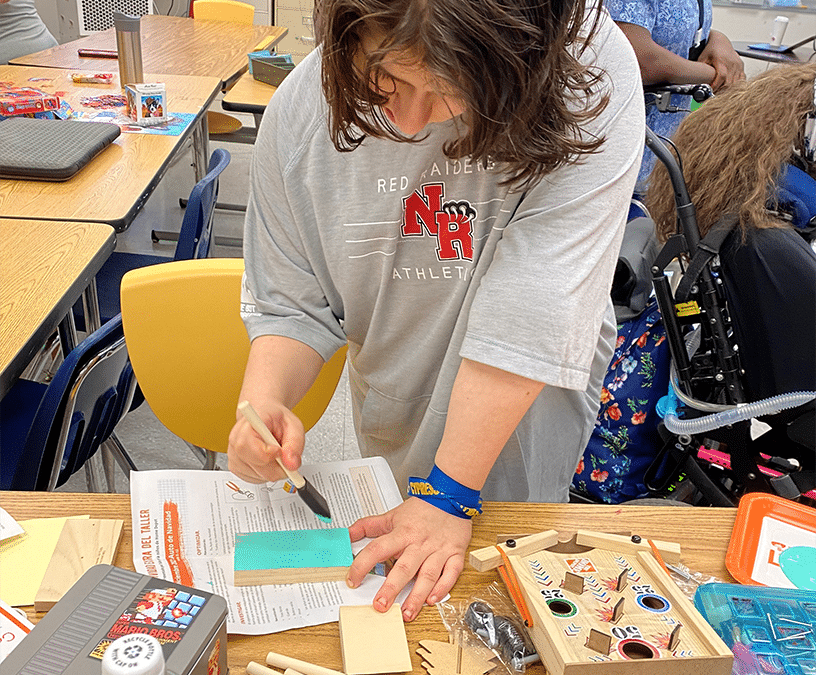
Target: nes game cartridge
{"points": [[109, 602]]}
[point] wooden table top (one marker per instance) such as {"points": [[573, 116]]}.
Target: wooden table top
{"points": [[113, 187], [170, 44], [44, 268], [743, 49], [248, 95], [703, 534]]}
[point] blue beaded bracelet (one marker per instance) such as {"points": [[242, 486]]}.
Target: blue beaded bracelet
{"points": [[447, 494]]}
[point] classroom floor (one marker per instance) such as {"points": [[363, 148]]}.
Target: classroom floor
{"points": [[148, 442]]}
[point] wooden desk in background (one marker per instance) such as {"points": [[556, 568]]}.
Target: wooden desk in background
{"points": [[170, 44], [113, 187], [248, 96], [743, 49], [45, 267], [703, 534]]}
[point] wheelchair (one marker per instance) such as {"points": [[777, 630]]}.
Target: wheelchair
{"points": [[741, 348], [710, 455]]}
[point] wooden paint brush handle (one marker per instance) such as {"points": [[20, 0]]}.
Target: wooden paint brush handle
{"points": [[246, 409]]}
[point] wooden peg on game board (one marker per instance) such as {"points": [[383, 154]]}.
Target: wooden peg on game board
{"points": [[599, 642], [574, 583], [617, 613], [622, 579], [674, 638]]}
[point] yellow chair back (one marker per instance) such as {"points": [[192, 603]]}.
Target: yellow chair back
{"points": [[224, 10], [189, 348]]}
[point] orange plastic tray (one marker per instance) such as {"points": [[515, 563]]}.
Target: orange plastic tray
{"points": [[765, 526]]}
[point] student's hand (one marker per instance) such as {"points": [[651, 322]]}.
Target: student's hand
{"points": [[719, 53], [251, 459], [424, 540]]}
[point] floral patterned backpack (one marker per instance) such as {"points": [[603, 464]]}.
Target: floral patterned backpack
{"points": [[625, 440]]}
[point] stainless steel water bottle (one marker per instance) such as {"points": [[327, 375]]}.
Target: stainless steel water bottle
{"points": [[129, 46]]}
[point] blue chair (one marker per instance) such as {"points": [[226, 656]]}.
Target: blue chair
{"points": [[50, 431], [194, 242]]}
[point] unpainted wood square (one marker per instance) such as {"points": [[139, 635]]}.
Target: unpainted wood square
{"points": [[372, 641]]}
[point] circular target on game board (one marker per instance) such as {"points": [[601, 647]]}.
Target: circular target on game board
{"points": [[562, 607], [652, 602], [635, 649]]}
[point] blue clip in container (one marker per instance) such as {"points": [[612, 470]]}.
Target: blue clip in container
{"points": [[772, 631]]}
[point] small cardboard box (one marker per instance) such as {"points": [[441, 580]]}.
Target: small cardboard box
{"points": [[146, 103], [27, 101]]}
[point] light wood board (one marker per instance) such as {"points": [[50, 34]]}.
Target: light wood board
{"points": [[81, 545], [372, 641]]}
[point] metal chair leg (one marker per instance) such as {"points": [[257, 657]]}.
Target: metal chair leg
{"points": [[108, 468], [91, 479], [206, 457], [118, 452]]}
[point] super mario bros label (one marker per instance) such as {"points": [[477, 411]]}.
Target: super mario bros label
{"points": [[160, 610]]}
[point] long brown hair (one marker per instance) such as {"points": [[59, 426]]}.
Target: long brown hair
{"points": [[512, 63], [733, 149]]}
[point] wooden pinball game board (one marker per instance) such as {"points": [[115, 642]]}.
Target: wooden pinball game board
{"points": [[608, 609]]}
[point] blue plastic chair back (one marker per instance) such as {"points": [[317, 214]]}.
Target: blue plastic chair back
{"points": [[87, 397], [196, 228]]}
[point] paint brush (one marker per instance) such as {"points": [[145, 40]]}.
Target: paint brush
{"points": [[308, 493]]}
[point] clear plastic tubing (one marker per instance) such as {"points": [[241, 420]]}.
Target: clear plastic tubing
{"points": [[739, 413]]}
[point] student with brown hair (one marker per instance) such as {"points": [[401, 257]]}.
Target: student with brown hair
{"points": [[442, 185]]}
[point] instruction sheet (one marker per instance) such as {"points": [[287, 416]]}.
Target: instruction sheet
{"points": [[185, 522]]}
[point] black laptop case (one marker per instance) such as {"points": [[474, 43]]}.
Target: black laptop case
{"points": [[42, 149]]}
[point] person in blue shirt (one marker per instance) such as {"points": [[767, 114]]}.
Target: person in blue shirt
{"points": [[667, 35]]}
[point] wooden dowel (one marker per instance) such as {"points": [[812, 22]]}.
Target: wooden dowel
{"points": [[254, 668], [281, 661]]}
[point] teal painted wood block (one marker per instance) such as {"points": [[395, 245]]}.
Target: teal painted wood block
{"points": [[290, 556]]}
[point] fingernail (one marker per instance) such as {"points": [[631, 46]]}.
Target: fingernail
{"points": [[408, 615], [348, 583], [432, 600], [380, 603]]}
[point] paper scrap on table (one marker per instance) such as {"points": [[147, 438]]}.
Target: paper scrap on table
{"points": [[14, 626], [185, 522], [8, 526], [24, 559]]}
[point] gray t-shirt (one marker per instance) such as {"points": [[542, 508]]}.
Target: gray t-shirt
{"points": [[417, 261], [22, 30]]}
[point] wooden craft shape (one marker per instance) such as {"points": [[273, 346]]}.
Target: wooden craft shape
{"points": [[441, 658], [372, 641], [292, 556], [82, 544], [588, 632]]}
